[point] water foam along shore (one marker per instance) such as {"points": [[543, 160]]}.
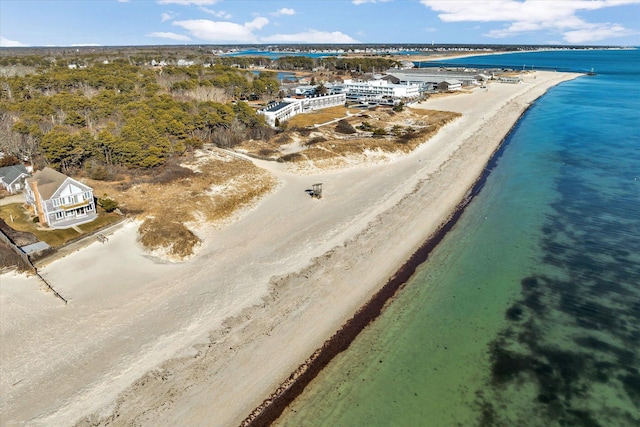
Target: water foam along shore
{"points": [[208, 340]]}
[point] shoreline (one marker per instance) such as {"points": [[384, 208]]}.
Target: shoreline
{"points": [[211, 338], [273, 407]]}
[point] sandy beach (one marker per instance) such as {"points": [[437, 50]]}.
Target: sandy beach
{"points": [[144, 341]]}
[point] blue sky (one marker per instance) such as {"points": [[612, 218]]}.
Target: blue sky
{"points": [[153, 22]]}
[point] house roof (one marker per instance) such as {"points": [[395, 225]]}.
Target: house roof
{"points": [[10, 173], [48, 181], [391, 78]]}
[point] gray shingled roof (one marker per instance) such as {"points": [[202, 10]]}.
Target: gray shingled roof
{"points": [[11, 173], [48, 181]]}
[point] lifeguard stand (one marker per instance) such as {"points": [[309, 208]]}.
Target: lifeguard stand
{"points": [[316, 191]]}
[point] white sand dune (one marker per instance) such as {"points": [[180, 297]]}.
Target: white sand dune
{"points": [[203, 342]]}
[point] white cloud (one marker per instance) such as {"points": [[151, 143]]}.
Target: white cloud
{"points": [[533, 15], [285, 11], [166, 16], [310, 36], [169, 35], [213, 31], [596, 33], [5, 42], [216, 13], [188, 2]]}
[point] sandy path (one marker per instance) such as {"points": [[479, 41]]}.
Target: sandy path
{"points": [[205, 341]]}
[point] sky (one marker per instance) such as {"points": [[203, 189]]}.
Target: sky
{"points": [[268, 22]]}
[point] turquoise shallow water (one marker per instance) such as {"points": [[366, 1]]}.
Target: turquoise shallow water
{"points": [[528, 312]]}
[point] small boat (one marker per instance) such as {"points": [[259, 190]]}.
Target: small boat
{"points": [[592, 73]]}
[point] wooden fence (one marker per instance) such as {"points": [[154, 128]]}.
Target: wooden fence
{"points": [[27, 261]]}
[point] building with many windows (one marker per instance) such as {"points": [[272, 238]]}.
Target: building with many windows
{"points": [[278, 112], [58, 200], [379, 89]]}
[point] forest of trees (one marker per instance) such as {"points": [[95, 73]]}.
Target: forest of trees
{"points": [[121, 115], [102, 109], [305, 63]]}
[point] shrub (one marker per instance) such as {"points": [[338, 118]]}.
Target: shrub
{"points": [[345, 127], [99, 173], [397, 130], [291, 157], [9, 161], [283, 138], [315, 140], [365, 126], [303, 131], [171, 172], [379, 132], [265, 152], [108, 204], [398, 108]]}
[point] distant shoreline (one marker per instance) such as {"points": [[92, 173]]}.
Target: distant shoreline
{"points": [[437, 57]]}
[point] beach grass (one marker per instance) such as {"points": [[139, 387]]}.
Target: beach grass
{"points": [[220, 186], [379, 130]]}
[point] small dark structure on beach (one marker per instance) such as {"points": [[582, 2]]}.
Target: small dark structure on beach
{"points": [[316, 191]]}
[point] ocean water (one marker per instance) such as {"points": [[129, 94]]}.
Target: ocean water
{"points": [[279, 54], [528, 312]]}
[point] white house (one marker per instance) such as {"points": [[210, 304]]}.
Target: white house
{"points": [[58, 200]]}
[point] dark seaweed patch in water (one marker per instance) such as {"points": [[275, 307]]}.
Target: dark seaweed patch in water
{"points": [[546, 399], [529, 283], [507, 365], [515, 313], [624, 357], [632, 386], [534, 302], [599, 298], [488, 415], [581, 418], [572, 343]]}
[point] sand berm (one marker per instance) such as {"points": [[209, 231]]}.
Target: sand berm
{"points": [[147, 342]]}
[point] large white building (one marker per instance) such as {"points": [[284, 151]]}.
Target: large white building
{"points": [[377, 89], [290, 107]]}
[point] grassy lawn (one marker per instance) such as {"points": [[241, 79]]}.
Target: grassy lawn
{"points": [[317, 117], [22, 221]]}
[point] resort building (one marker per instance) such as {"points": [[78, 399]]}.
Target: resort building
{"points": [[378, 89], [429, 79], [58, 200], [289, 107]]}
